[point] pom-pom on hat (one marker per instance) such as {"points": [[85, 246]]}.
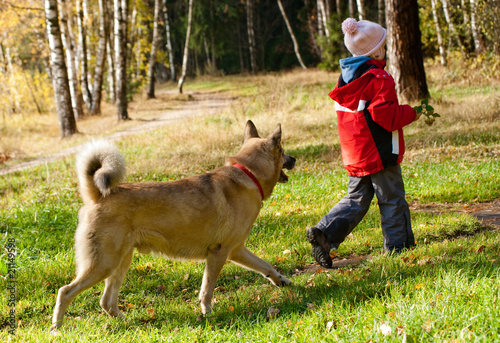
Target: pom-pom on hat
{"points": [[362, 38]]}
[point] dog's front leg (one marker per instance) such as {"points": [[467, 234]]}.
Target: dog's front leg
{"points": [[217, 256], [245, 258]]}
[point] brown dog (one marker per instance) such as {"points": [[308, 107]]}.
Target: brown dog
{"points": [[206, 217]]}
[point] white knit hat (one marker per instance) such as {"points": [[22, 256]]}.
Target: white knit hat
{"points": [[362, 38]]}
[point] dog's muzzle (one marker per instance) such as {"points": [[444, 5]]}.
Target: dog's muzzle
{"points": [[289, 164]]}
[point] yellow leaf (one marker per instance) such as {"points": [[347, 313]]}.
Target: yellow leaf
{"points": [[419, 285]]}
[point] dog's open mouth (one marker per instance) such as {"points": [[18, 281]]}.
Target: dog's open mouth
{"points": [[283, 177], [289, 164]]}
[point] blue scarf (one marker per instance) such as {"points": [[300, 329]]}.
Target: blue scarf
{"points": [[350, 65]]}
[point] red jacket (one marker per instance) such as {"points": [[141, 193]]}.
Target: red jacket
{"points": [[370, 121]]}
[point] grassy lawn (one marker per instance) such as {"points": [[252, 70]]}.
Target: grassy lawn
{"points": [[446, 289]]}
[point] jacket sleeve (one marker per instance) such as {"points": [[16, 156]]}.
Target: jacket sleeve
{"points": [[385, 108]]}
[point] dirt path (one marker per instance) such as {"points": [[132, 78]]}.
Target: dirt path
{"points": [[197, 105]]}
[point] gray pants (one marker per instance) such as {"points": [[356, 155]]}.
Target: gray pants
{"points": [[394, 210]]}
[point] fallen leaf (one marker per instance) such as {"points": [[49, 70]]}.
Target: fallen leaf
{"points": [[329, 325], [272, 313], [419, 285], [385, 329], [150, 312]]}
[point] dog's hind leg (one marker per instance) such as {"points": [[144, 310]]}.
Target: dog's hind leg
{"points": [[109, 300], [245, 258], [217, 256], [84, 280]]}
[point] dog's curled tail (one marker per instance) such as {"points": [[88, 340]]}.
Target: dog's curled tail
{"points": [[100, 168]]}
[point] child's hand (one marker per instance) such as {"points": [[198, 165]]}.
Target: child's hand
{"points": [[426, 110]]}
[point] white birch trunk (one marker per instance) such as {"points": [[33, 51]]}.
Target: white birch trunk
{"points": [[324, 18], [186, 47], [361, 9], [251, 36], [100, 60], [442, 51], [478, 41], [294, 40], [170, 50], [82, 38], [60, 82], [70, 62], [154, 45], [120, 28], [15, 106], [451, 26]]}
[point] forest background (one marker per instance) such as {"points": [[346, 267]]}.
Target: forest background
{"points": [[114, 50]]}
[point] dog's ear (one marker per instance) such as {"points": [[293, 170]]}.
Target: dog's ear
{"points": [[276, 135], [250, 131]]}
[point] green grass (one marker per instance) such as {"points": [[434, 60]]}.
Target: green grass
{"points": [[446, 289]]}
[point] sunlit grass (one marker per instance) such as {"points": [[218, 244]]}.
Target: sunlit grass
{"points": [[446, 289]]}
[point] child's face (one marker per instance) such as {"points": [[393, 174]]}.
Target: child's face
{"points": [[380, 54]]}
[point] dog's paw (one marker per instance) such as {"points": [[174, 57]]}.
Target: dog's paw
{"points": [[284, 281], [54, 330], [205, 309], [281, 281]]}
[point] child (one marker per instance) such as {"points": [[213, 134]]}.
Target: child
{"points": [[370, 122]]}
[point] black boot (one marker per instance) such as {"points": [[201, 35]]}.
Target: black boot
{"points": [[320, 247]]}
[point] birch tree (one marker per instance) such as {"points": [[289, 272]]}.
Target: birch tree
{"points": [[100, 60], [251, 36], [60, 81], [70, 62], [186, 47], [152, 56], [404, 50], [322, 17], [451, 26], [478, 41], [361, 9], [442, 52], [121, 9], [83, 55], [169, 42], [294, 40]]}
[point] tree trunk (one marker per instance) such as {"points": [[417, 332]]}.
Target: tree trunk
{"points": [[478, 41], [121, 9], [100, 60], [381, 13], [169, 43], [442, 51], [322, 17], [70, 63], [361, 9], [315, 48], [294, 40], [352, 8], [451, 27], [111, 94], [111, 71], [154, 45], [186, 47], [15, 106], [65, 114], [406, 63], [251, 36], [84, 69]]}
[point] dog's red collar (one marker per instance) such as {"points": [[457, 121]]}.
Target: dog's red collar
{"points": [[251, 176]]}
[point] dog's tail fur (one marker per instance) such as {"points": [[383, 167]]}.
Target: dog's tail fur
{"points": [[100, 168]]}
